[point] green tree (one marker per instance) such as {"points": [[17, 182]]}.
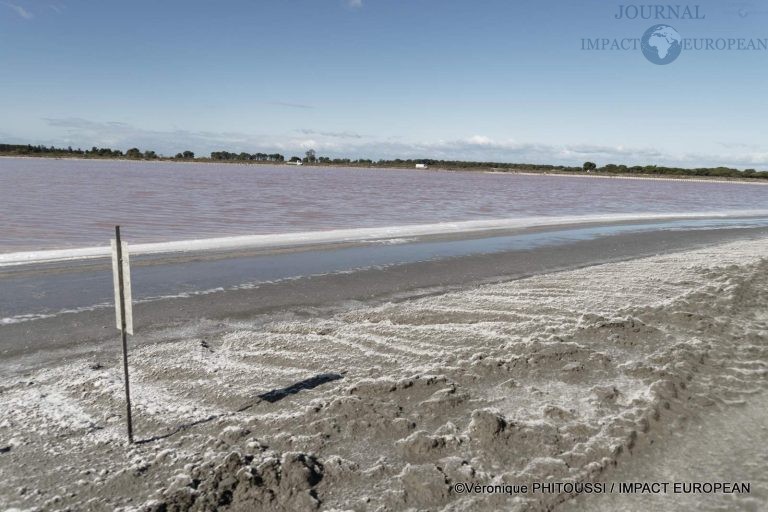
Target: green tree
{"points": [[589, 166]]}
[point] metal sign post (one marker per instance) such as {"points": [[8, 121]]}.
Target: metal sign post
{"points": [[121, 273]]}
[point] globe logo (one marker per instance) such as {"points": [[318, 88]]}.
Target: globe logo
{"points": [[661, 44]]}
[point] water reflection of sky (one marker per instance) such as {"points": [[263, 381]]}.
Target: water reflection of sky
{"points": [[45, 294]]}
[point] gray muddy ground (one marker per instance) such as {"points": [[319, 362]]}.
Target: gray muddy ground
{"points": [[571, 376]]}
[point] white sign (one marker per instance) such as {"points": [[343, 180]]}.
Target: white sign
{"points": [[126, 287]]}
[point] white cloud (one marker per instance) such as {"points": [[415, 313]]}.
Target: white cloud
{"points": [[308, 144], [480, 140], [21, 11], [355, 4]]}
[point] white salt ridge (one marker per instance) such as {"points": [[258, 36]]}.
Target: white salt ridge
{"points": [[383, 234]]}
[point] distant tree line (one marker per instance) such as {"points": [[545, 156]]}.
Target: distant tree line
{"points": [[94, 152], [311, 157], [349, 161], [591, 167], [716, 172], [137, 154], [464, 164], [243, 157], [28, 149]]}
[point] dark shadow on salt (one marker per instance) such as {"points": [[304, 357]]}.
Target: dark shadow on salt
{"points": [[276, 395], [272, 396]]}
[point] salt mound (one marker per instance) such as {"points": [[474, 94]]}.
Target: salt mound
{"points": [[248, 482]]}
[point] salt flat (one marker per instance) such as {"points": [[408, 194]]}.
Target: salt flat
{"points": [[568, 376]]}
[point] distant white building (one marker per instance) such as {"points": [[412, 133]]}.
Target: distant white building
{"points": [[422, 166], [297, 162]]}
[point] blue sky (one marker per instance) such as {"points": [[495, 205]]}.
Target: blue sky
{"points": [[476, 80]]}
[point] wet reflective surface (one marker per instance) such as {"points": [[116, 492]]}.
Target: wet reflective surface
{"points": [[26, 295]]}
